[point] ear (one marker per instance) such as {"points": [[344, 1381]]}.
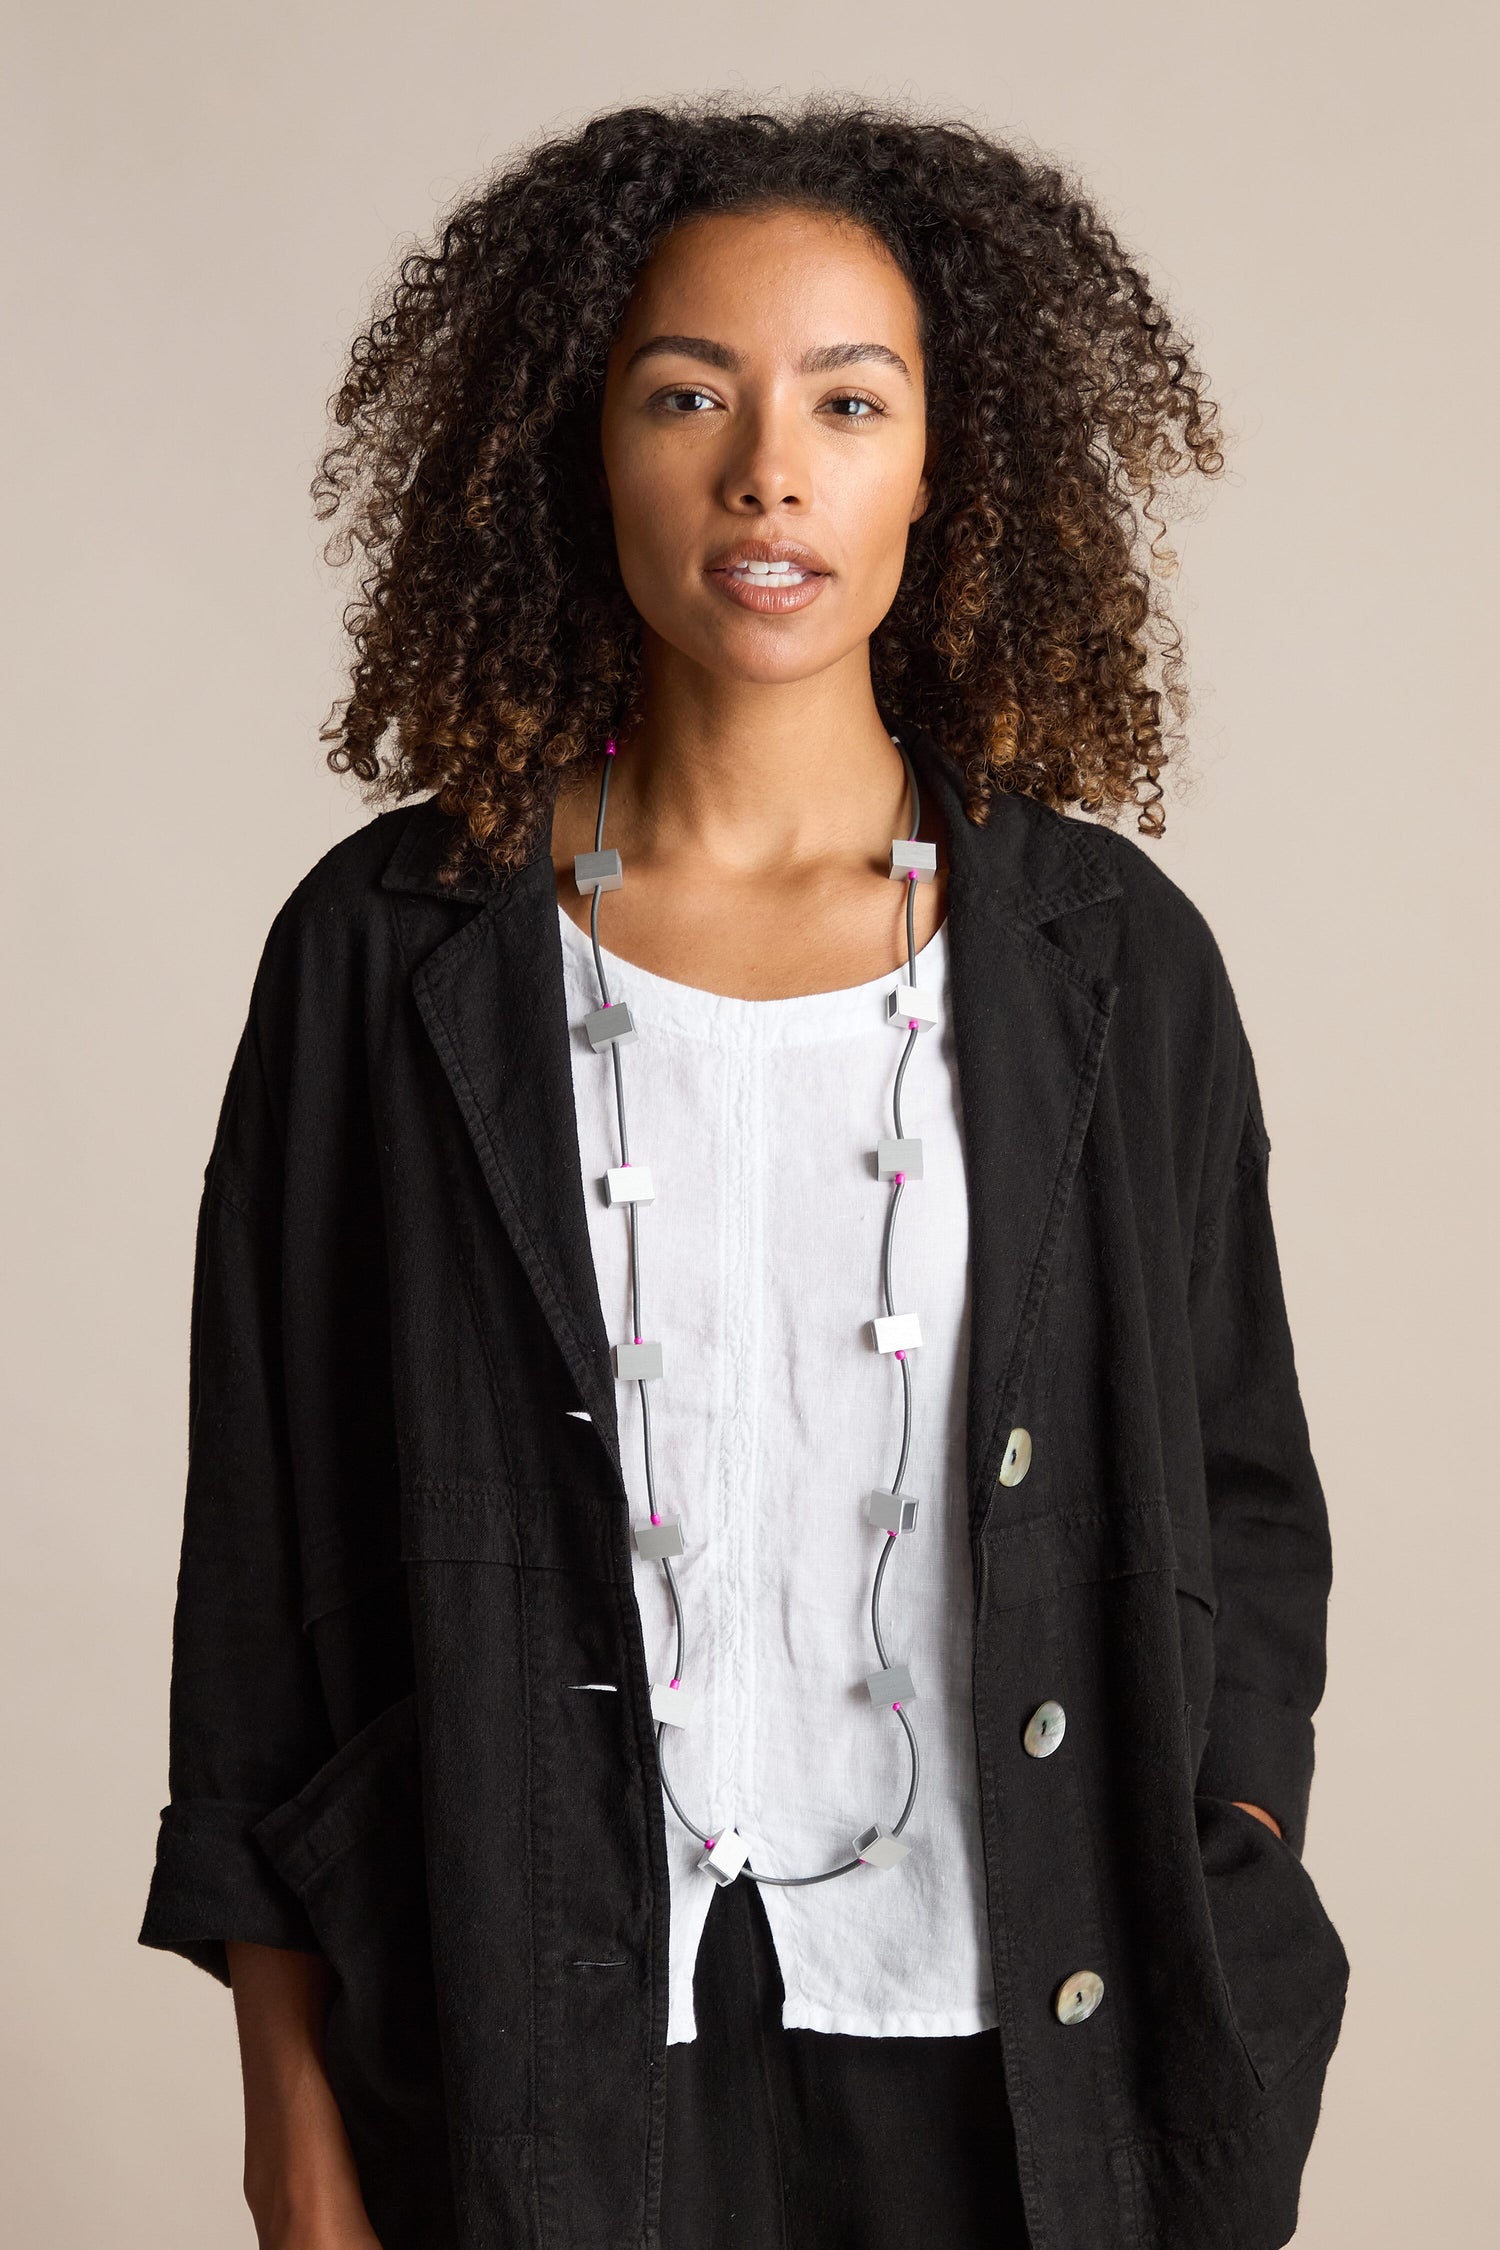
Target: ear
{"points": [[591, 444], [924, 488]]}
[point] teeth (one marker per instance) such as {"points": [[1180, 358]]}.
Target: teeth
{"points": [[785, 572]]}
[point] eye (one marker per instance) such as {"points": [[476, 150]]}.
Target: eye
{"points": [[685, 398], [854, 406]]}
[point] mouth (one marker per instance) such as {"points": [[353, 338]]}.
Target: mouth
{"points": [[770, 575]]}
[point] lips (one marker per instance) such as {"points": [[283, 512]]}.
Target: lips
{"points": [[769, 575]]}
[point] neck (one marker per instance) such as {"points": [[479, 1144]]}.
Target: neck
{"points": [[746, 775]]}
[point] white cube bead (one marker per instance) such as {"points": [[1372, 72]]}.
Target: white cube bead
{"points": [[654, 1542], [638, 1363], [909, 858], [728, 1856], [892, 1511], [629, 1183], [908, 1005], [878, 1848], [897, 1332], [672, 1706], [905, 1156]]}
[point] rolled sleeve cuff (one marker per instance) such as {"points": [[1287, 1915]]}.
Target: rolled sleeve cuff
{"points": [[1261, 1753], [212, 1885]]}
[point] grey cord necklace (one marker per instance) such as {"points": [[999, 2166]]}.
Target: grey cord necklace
{"points": [[898, 1159]]}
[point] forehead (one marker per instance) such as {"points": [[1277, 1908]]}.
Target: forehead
{"points": [[776, 282]]}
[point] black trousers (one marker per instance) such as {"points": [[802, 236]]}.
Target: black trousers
{"points": [[813, 2140]]}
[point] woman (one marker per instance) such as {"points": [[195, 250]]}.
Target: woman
{"points": [[753, 1587]]}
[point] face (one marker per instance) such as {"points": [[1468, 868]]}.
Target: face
{"points": [[764, 440]]}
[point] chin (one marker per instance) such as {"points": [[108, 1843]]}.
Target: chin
{"points": [[787, 673], [759, 657]]}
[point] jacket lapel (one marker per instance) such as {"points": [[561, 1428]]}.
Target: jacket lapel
{"points": [[1029, 1023], [1029, 1026], [493, 1001]]}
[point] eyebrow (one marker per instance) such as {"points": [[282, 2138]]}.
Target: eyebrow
{"points": [[822, 360], [829, 356]]}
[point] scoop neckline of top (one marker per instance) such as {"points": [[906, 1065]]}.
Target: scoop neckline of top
{"points": [[784, 1004]]}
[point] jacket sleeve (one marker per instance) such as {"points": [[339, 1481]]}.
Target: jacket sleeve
{"points": [[1268, 1520], [246, 1723]]}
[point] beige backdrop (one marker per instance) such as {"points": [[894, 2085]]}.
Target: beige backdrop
{"points": [[201, 194]]}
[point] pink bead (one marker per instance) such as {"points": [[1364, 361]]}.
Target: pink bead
{"points": [[710, 1841], [899, 1355], [911, 1023], [911, 874], [655, 1518], [890, 1535], [674, 1683], [640, 1339], [900, 1179], [609, 749], [895, 1706]]}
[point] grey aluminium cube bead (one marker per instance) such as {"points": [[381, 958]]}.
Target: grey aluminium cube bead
{"points": [[597, 871], [614, 1024], [893, 1685], [892, 1511], [637, 1363], [656, 1541], [904, 1155]]}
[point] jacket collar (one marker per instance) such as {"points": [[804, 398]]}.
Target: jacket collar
{"points": [[1029, 1022], [1032, 865], [426, 832]]}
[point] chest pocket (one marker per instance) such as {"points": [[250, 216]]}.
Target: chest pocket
{"points": [[572, 1524]]}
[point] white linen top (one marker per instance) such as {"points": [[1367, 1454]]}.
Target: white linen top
{"points": [[772, 1419]]}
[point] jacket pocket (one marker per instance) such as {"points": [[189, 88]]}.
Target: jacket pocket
{"points": [[350, 1844], [1283, 1963], [1197, 1741], [1197, 1607]]}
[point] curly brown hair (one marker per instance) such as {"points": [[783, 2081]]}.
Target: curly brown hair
{"points": [[494, 643]]}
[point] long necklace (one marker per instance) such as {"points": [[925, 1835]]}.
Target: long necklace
{"points": [[893, 1512]]}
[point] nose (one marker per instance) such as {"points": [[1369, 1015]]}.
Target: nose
{"points": [[767, 471]]}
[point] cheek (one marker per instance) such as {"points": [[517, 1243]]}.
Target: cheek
{"points": [[648, 501], [875, 506], [629, 502]]}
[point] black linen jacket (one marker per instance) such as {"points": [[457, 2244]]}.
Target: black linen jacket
{"points": [[403, 1547]]}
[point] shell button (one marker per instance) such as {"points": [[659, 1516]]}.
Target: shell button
{"points": [[1079, 1996], [1045, 1729], [1017, 1457]]}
